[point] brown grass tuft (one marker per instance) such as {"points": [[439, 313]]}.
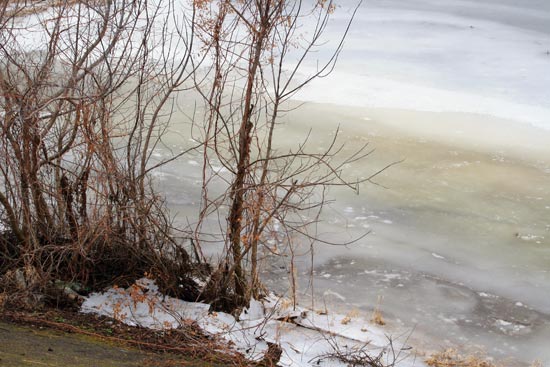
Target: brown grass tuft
{"points": [[451, 358], [377, 317]]}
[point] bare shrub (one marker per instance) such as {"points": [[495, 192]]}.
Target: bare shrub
{"points": [[258, 50], [86, 92]]}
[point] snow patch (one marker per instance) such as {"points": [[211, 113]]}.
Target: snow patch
{"points": [[511, 328], [437, 256], [529, 237], [306, 337]]}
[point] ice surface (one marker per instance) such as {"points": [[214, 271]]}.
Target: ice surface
{"points": [[482, 57], [462, 247], [461, 250], [453, 243]]}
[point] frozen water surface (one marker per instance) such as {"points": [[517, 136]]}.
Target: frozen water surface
{"points": [[487, 57], [459, 247]]}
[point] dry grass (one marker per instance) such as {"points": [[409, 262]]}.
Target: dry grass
{"points": [[377, 317], [451, 358], [364, 355], [187, 341], [358, 356], [349, 316]]}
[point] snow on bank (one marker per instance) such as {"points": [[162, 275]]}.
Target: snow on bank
{"points": [[305, 341]]}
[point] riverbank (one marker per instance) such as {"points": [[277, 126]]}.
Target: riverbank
{"points": [[67, 338], [29, 345]]}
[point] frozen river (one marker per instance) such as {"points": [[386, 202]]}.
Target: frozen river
{"points": [[459, 247], [459, 243], [488, 57]]}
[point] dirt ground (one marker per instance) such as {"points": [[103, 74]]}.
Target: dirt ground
{"points": [[37, 346]]}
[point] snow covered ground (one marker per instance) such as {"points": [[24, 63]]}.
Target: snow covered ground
{"points": [[306, 341]]}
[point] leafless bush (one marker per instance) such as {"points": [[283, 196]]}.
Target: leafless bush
{"points": [[258, 50], [86, 92]]}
